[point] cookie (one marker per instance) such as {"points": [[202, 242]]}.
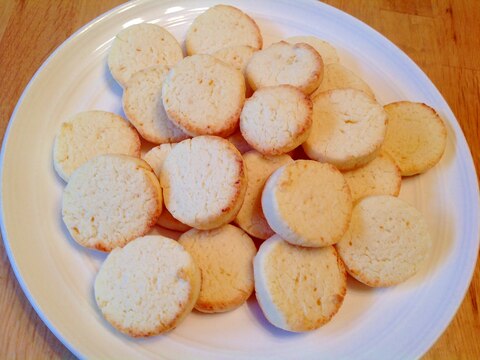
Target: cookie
{"points": [[307, 203], [298, 288], [204, 96], [204, 182], [259, 168], [111, 200], [327, 52], [298, 65], [219, 27], [239, 142], [225, 258], [89, 134], [416, 136], [386, 242], [276, 119], [143, 106], [380, 176], [140, 46], [148, 287], [348, 129], [337, 76]]}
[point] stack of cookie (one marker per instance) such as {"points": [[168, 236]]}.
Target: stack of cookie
{"points": [[282, 147]]}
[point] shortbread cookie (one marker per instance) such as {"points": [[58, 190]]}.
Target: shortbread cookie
{"points": [[143, 106], [219, 27], [380, 176], [140, 46], [276, 119], [307, 203], [348, 128], [416, 136], [148, 287], [204, 96], [327, 52], [225, 258], [259, 168], [204, 182], [111, 200], [299, 65], [386, 242], [239, 142], [89, 134], [298, 288], [337, 76]]}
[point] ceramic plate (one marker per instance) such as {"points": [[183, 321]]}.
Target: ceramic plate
{"points": [[57, 275]]}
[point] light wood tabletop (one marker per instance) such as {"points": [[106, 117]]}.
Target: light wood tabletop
{"points": [[441, 36]]}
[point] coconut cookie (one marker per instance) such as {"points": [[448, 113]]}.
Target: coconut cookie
{"points": [[298, 65], [219, 27], [337, 76], [225, 258], [204, 96], [348, 128], [298, 288], [143, 106], [111, 200], [148, 287], [386, 242], [380, 176], [307, 203], [204, 182], [259, 168], [140, 46], [276, 119], [239, 142], [89, 134], [416, 136], [327, 52]]}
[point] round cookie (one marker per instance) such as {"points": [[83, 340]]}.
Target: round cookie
{"points": [[239, 142], [298, 65], [348, 129], [219, 27], [140, 46], [276, 119], [204, 96], [307, 203], [111, 200], [380, 176], [327, 52], [89, 134], [225, 258], [259, 168], [204, 182], [143, 106], [386, 242], [298, 288], [416, 136], [148, 287], [337, 76]]}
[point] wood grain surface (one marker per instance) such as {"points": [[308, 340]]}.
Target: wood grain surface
{"points": [[441, 36]]}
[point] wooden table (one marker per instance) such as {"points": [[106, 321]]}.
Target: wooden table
{"points": [[442, 36]]}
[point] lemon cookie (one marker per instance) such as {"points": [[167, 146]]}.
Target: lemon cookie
{"points": [[89, 134], [386, 242], [148, 287], [348, 128], [327, 52], [307, 203], [110, 200], [225, 258], [298, 288]]}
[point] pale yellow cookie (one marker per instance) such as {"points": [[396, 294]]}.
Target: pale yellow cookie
{"points": [[307, 203], [225, 258], [386, 242], [298, 288], [148, 287], [327, 52], [416, 136]]}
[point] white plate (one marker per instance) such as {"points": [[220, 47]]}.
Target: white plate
{"points": [[57, 275]]}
